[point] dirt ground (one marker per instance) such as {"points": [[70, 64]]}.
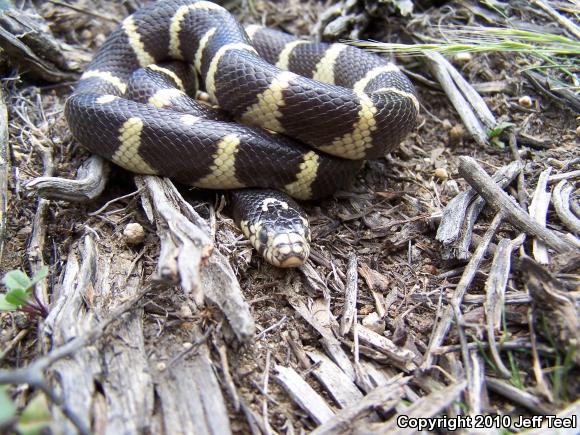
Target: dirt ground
{"points": [[387, 220]]}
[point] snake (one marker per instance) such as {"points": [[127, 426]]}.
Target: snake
{"points": [[286, 119]]}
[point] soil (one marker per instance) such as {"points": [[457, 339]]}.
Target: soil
{"points": [[388, 219]]}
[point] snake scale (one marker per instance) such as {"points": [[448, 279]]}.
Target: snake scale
{"points": [[302, 115]]}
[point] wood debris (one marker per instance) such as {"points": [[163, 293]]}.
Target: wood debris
{"points": [[433, 290]]}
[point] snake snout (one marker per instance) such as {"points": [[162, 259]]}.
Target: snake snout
{"points": [[289, 250], [275, 225]]}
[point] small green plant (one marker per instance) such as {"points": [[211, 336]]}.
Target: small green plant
{"points": [[7, 408], [542, 50], [499, 129], [21, 289], [35, 418], [516, 379]]}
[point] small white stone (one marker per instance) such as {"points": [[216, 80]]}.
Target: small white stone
{"points": [[134, 234], [462, 58], [525, 101], [441, 173]]}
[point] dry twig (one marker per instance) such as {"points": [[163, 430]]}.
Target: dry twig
{"points": [[91, 179], [500, 201], [303, 394], [4, 168], [351, 292], [538, 211], [561, 199], [443, 324], [384, 397]]}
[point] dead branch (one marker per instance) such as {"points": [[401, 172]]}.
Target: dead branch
{"points": [[467, 102], [445, 320], [37, 240], [552, 89], [4, 169], [27, 41], [561, 19], [475, 390], [455, 230], [187, 254], [33, 374], [425, 407], [384, 397], [190, 398], [329, 341], [564, 176], [91, 180], [495, 287], [553, 302], [303, 394], [561, 199], [401, 358], [351, 292], [184, 245], [528, 400], [338, 385], [500, 201], [538, 212]]}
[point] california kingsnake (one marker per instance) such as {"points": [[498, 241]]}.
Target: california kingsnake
{"points": [[346, 104]]}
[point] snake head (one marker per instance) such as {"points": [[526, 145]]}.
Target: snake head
{"points": [[278, 230], [289, 249]]}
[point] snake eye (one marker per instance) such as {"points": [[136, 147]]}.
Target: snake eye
{"points": [[263, 237]]}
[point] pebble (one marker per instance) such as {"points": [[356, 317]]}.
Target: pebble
{"points": [[441, 173], [525, 101], [134, 234], [462, 58], [456, 134]]}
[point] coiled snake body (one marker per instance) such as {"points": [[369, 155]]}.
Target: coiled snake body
{"points": [[345, 104]]}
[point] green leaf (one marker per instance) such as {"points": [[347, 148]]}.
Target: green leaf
{"points": [[6, 306], [40, 275], [499, 129], [498, 144], [35, 417], [16, 297], [7, 408], [16, 279]]}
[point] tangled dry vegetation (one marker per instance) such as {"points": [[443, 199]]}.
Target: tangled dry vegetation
{"points": [[433, 288]]}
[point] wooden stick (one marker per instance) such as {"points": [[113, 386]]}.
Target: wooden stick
{"points": [[530, 401], [388, 394], [4, 168], [441, 328], [500, 201], [561, 199], [439, 66], [562, 20], [91, 180], [86, 11], [539, 212], [349, 310]]}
